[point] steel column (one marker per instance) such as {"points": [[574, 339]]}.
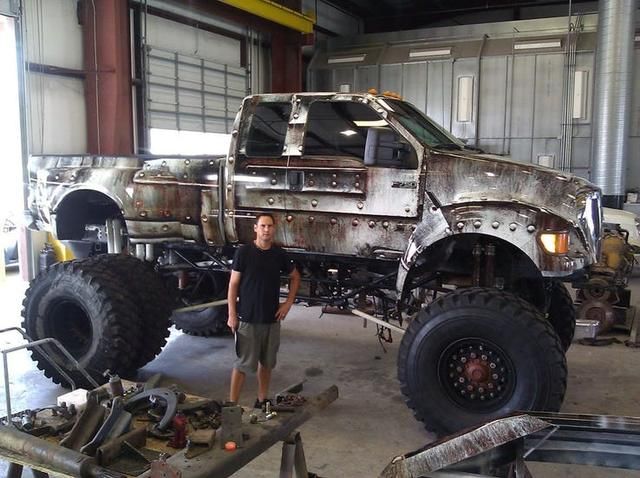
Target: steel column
{"points": [[108, 93], [286, 62]]}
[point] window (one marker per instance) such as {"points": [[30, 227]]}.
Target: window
{"points": [[345, 128], [267, 130]]}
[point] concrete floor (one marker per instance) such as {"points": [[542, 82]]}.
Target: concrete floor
{"points": [[369, 424]]}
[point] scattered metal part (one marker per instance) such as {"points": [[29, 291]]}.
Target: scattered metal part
{"points": [[115, 385], [231, 425], [161, 469], [293, 388], [117, 423], [111, 449], [42, 454], [166, 395], [200, 441], [87, 424]]}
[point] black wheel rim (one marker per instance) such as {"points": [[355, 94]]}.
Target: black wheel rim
{"points": [[69, 323], [476, 374]]}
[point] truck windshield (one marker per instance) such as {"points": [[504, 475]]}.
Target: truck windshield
{"points": [[422, 126]]}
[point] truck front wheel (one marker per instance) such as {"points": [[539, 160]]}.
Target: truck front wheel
{"points": [[478, 354]]}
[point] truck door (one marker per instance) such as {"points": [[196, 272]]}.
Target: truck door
{"points": [[256, 178], [354, 189]]}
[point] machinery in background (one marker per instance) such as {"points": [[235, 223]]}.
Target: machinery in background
{"points": [[604, 300]]}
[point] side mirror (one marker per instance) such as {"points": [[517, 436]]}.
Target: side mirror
{"points": [[385, 148]]}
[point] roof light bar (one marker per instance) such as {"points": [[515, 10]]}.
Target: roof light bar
{"points": [[346, 59], [430, 53], [537, 45]]}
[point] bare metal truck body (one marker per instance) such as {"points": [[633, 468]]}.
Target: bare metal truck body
{"points": [[373, 200]]}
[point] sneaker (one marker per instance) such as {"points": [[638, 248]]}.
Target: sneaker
{"points": [[262, 405]]}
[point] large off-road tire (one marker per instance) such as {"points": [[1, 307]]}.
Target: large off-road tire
{"points": [[91, 311], [477, 354], [208, 322], [561, 312], [154, 301]]}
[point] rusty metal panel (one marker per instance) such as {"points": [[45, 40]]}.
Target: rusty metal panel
{"points": [[548, 92], [492, 101], [414, 84], [522, 98]]}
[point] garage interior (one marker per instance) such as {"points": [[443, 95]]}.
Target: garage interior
{"points": [[546, 83]]}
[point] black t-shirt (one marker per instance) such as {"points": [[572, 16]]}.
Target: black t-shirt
{"points": [[260, 281]]}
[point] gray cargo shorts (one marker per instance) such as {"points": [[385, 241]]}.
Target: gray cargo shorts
{"points": [[256, 343]]}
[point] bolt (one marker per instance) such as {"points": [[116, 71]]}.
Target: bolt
{"points": [[492, 395], [296, 115], [205, 219], [187, 161], [312, 182], [357, 185], [463, 360], [385, 224], [461, 380], [289, 218], [480, 389], [274, 181], [333, 221], [187, 218], [360, 205], [334, 184], [470, 388], [495, 224], [472, 355], [184, 176], [459, 369], [270, 200], [211, 163], [531, 228], [229, 187], [234, 132], [314, 203], [230, 159], [477, 224], [334, 176], [460, 225], [141, 175], [492, 365], [143, 213], [489, 386], [355, 222], [494, 376], [165, 228], [372, 224], [311, 218], [513, 226]]}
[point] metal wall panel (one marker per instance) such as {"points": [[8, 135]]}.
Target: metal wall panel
{"points": [[522, 97], [391, 78], [439, 100], [366, 78], [548, 96], [633, 163], [581, 152], [343, 76], [464, 67], [493, 90], [547, 147], [414, 83], [520, 150], [52, 35], [9, 8], [57, 115]]}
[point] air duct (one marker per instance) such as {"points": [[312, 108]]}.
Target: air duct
{"points": [[612, 100]]}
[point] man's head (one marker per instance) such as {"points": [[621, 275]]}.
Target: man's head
{"points": [[264, 227]]}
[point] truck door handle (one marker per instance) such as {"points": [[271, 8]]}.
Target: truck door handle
{"points": [[296, 180]]}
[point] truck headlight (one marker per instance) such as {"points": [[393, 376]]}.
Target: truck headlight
{"points": [[555, 242]]}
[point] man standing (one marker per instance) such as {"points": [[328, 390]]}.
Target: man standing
{"points": [[255, 278]]}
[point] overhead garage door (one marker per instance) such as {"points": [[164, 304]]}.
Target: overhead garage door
{"points": [[194, 78]]}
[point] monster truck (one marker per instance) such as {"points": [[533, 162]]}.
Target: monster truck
{"points": [[381, 208]]}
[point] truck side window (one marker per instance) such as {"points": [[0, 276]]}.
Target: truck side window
{"points": [[267, 130], [341, 128]]}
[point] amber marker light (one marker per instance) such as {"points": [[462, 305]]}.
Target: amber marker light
{"points": [[555, 242]]}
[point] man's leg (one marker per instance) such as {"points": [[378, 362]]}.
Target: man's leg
{"points": [[264, 379], [237, 381]]}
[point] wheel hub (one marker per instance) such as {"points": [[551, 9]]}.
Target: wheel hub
{"points": [[476, 372]]}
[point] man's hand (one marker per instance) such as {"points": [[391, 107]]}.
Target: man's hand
{"points": [[233, 322], [283, 310]]}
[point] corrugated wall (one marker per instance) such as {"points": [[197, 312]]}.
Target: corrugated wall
{"points": [[519, 110]]}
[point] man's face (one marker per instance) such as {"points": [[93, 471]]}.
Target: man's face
{"points": [[264, 229]]}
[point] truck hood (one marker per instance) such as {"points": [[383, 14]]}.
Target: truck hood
{"points": [[457, 178]]}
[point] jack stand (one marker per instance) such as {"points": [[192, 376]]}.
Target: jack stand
{"points": [[293, 458]]}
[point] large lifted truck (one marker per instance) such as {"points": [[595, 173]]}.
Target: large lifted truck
{"points": [[380, 208]]}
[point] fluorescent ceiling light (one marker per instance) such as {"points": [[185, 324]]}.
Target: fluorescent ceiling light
{"points": [[348, 132], [346, 59], [535, 45], [636, 38], [429, 53]]}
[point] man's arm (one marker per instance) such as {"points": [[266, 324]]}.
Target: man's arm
{"points": [[294, 284], [232, 297]]}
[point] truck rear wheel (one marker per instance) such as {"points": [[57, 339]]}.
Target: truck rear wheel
{"points": [[152, 297], [478, 354], [91, 312]]}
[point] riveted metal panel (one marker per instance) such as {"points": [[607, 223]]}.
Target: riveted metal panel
{"points": [[522, 97], [439, 92], [467, 67], [548, 92], [493, 88], [414, 84], [391, 78]]}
